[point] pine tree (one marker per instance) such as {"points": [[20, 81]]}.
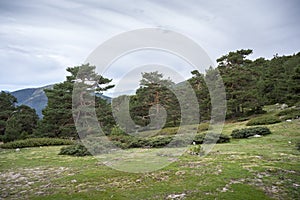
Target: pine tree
{"points": [[21, 124], [7, 109], [58, 118]]}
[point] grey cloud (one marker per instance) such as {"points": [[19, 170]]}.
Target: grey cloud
{"points": [[48, 36]]}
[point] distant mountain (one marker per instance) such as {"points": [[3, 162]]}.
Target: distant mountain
{"points": [[36, 98], [33, 97]]}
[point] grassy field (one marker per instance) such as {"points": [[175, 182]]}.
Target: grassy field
{"points": [[256, 168]]}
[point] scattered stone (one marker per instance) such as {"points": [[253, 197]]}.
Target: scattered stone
{"points": [[39, 193], [224, 189], [74, 181], [258, 157], [256, 136], [296, 185], [178, 173], [138, 181], [17, 149], [284, 106], [176, 196], [288, 120]]}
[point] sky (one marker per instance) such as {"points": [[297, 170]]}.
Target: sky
{"points": [[39, 39]]}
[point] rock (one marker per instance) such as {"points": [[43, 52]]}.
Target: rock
{"points": [[256, 136], [284, 106], [178, 173], [17, 149], [296, 185], [224, 189], [176, 196], [73, 181], [288, 120]]}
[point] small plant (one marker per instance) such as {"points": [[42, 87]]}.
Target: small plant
{"points": [[263, 120], [196, 150], [36, 142], [203, 127], [116, 130], [248, 132], [75, 150]]}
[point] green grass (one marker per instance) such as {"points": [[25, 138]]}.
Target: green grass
{"points": [[256, 168]]}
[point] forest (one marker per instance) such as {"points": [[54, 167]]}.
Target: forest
{"points": [[249, 85]]}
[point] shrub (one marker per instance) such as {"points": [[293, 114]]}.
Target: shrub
{"points": [[159, 141], [198, 139], [298, 146], [292, 113], [203, 127], [211, 137], [247, 132], [75, 150], [263, 120], [168, 131], [116, 130], [196, 150], [36, 142]]}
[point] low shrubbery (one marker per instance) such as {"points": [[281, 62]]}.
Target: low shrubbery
{"points": [[36, 142], [75, 150], [248, 132], [127, 141], [291, 113], [210, 138], [203, 127], [196, 150], [263, 120]]}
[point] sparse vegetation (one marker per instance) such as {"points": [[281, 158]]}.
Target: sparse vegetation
{"points": [[263, 168], [36, 142], [263, 120]]}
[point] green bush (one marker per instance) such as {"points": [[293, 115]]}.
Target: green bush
{"points": [[291, 113], [116, 130], [263, 120], [168, 131], [196, 150], [247, 132], [159, 141], [75, 150], [203, 127], [199, 138], [36, 142], [211, 137]]}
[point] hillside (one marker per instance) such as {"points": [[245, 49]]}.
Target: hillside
{"points": [[33, 97]]}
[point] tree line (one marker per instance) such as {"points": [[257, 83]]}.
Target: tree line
{"points": [[249, 85]]}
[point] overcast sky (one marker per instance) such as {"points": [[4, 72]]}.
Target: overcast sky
{"points": [[39, 39]]}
